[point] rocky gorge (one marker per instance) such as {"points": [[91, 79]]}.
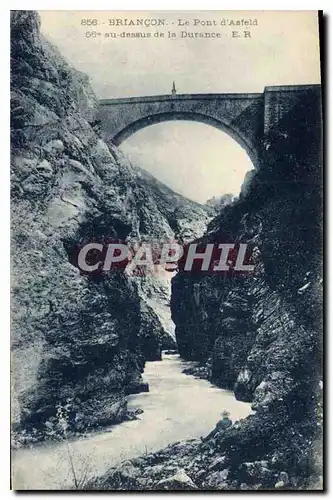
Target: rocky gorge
{"points": [[80, 343]]}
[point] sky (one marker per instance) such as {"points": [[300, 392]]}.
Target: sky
{"points": [[194, 159], [208, 162]]}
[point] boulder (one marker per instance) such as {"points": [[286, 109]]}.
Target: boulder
{"points": [[217, 464], [179, 481], [217, 479]]}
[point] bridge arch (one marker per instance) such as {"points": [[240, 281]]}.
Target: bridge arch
{"points": [[155, 118]]}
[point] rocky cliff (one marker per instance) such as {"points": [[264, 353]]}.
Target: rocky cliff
{"points": [[79, 342]]}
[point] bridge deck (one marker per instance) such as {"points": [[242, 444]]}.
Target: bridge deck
{"points": [[180, 97]]}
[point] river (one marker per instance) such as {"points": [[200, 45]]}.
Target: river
{"points": [[177, 407]]}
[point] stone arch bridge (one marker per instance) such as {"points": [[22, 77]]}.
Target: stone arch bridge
{"points": [[248, 118]]}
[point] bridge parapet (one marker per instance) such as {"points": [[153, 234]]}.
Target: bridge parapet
{"points": [[176, 97]]}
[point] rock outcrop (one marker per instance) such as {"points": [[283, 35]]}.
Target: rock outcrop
{"points": [[79, 342]]}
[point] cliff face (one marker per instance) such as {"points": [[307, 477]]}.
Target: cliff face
{"points": [[260, 334], [279, 216], [79, 342]]}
